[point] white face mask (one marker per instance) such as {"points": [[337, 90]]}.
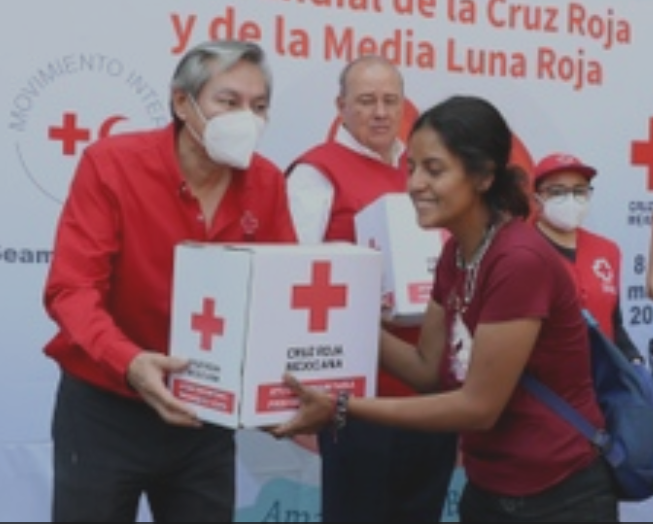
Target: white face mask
{"points": [[565, 214], [231, 138]]}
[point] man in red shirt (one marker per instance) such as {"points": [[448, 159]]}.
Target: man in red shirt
{"points": [[118, 431], [372, 473]]}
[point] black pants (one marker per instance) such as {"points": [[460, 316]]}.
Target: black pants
{"points": [[110, 450], [375, 473], [586, 496]]}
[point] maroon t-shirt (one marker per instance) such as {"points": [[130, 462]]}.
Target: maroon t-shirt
{"points": [[530, 448]]}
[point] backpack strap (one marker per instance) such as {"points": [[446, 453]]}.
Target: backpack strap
{"points": [[597, 436]]}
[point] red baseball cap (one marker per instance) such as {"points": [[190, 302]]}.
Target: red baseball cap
{"points": [[557, 162]]}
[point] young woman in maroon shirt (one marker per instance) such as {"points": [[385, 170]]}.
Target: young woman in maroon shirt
{"points": [[502, 302], [118, 431]]}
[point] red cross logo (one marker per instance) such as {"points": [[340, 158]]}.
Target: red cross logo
{"points": [[207, 324], [319, 296], [641, 154], [603, 270], [69, 134]]}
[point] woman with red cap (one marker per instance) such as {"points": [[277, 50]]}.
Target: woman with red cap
{"points": [[562, 194]]}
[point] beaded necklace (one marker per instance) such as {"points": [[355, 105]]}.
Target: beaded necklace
{"points": [[471, 268]]}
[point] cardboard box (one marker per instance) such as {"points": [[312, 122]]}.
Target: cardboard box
{"points": [[410, 254], [245, 314]]}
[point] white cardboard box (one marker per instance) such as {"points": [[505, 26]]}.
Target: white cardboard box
{"points": [[410, 254], [243, 314]]}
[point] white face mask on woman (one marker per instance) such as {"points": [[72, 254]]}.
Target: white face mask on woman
{"points": [[564, 213], [231, 138]]}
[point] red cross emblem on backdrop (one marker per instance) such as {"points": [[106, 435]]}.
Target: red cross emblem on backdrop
{"points": [[641, 154], [319, 296], [72, 135], [207, 324], [69, 133]]}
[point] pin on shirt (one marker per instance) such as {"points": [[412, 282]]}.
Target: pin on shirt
{"points": [[250, 224]]}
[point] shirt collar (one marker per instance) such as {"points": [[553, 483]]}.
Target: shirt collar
{"points": [[345, 138]]}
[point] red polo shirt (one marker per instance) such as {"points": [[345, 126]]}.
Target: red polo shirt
{"points": [[110, 281]]}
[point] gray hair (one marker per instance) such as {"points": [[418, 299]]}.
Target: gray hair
{"points": [[192, 71]]}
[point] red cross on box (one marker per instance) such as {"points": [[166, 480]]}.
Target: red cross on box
{"points": [[207, 324], [319, 296]]}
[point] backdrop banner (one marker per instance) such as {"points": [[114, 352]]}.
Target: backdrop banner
{"points": [[569, 75]]}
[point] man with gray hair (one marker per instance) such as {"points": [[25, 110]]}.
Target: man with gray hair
{"points": [[118, 431]]}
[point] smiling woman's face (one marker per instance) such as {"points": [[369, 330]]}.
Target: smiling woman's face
{"points": [[442, 192]]}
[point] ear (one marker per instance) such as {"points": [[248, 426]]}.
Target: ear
{"points": [[537, 202], [340, 104], [180, 104], [536, 205], [483, 184]]}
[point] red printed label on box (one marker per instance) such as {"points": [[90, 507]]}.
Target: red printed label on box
{"points": [[419, 293], [208, 397], [277, 397]]}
